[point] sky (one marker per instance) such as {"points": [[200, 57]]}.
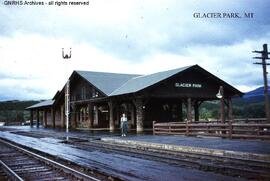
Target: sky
{"points": [[127, 36]]}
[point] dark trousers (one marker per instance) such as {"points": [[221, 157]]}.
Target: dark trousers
{"points": [[124, 127]]}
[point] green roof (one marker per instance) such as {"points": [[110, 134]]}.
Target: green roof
{"points": [[42, 104], [141, 82], [114, 84], [106, 82]]}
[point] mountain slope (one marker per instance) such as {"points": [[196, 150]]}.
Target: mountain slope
{"points": [[254, 96]]}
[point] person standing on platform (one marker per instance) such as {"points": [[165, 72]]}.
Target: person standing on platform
{"points": [[124, 125]]}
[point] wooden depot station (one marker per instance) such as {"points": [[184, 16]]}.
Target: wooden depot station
{"points": [[97, 99]]}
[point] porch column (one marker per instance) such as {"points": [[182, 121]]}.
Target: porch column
{"points": [[37, 118], [78, 114], [53, 117], [31, 118], [132, 115], [139, 114], [180, 111], [189, 110], [196, 110], [230, 109], [117, 115], [62, 116], [222, 112], [81, 115], [90, 115], [84, 115], [45, 117], [96, 115], [73, 116], [111, 106]]}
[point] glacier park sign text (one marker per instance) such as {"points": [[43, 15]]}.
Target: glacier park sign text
{"points": [[187, 85]]}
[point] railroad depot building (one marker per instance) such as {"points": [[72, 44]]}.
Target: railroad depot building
{"points": [[97, 99]]}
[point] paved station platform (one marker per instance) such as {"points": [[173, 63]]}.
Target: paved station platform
{"points": [[252, 146], [244, 149], [233, 148], [237, 145], [51, 141], [126, 167], [242, 145]]}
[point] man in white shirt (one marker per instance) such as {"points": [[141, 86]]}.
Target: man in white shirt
{"points": [[124, 125]]}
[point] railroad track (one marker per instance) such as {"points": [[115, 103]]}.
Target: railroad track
{"points": [[249, 169], [17, 163], [237, 167]]}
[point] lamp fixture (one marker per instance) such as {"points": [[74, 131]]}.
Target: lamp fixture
{"points": [[219, 94]]}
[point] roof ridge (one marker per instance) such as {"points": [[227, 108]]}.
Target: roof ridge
{"points": [[122, 85], [185, 67], [105, 72], [105, 82]]}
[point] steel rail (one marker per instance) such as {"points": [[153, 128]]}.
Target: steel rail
{"points": [[10, 172], [64, 168]]}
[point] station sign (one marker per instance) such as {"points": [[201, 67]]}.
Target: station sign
{"points": [[187, 85]]}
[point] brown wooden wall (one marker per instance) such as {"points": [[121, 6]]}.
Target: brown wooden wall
{"points": [[81, 89], [209, 87]]}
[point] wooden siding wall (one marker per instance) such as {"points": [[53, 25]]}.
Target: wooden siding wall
{"points": [[208, 90], [49, 118], [80, 86], [57, 118]]}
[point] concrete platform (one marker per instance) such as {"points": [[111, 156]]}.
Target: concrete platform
{"points": [[179, 144], [123, 166], [247, 146], [250, 146]]}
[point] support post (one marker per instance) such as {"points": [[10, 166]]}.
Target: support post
{"points": [[111, 106], [90, 115], [117, 115], [154, 122], [76, 116], [73, 116], [31, 118], [139, 114], [45, 118], [53, 117], [180, 109], [196, 111], [187, 129], [222, 110], [81, 115], [189, 110], [62, 117], [230, 129], [38, 119], [96, 115], [230, 109], [132, 115]]}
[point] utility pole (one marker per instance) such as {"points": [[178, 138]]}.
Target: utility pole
{"points": [[67, 94], [264, 56]]}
